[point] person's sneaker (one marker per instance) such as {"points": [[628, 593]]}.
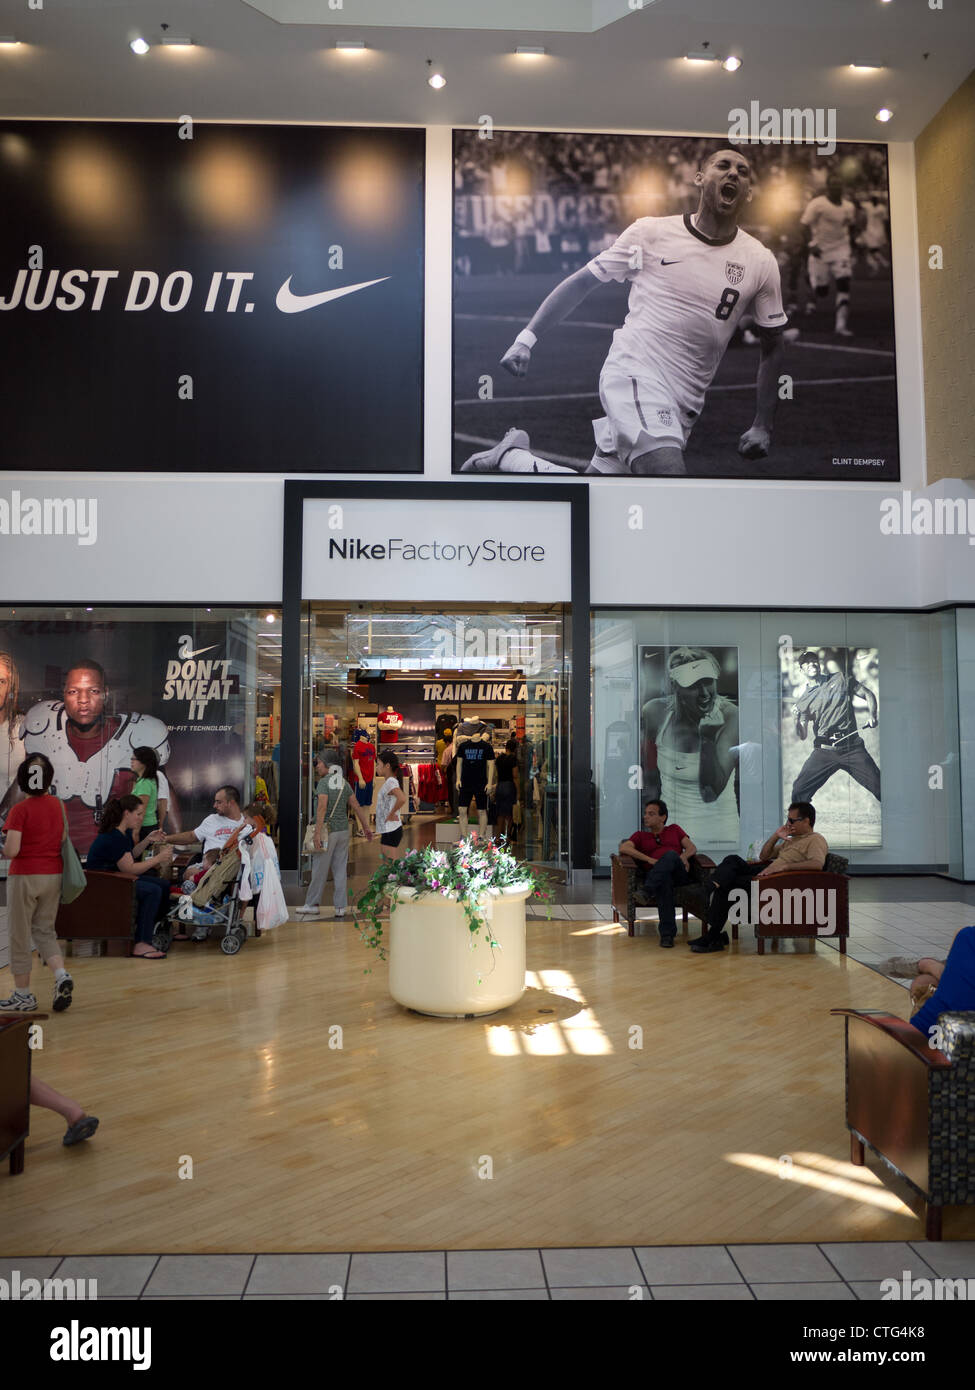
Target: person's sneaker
{"points": [[201, 934], [489, 460], [21, 1000], [62, 994], [340, 912], [667, 941], [308, 911]]}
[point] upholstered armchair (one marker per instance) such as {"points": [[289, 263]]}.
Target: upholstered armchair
{"points": [[913, 1105], [794, 900], [628, 874]]}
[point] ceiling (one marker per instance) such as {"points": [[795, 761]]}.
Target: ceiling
{"points": [[608, 66]]}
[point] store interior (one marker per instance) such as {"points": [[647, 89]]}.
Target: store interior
{"points": [[411, 682]]}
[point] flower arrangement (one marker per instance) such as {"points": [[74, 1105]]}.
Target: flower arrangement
{"points": [[465, 872]]}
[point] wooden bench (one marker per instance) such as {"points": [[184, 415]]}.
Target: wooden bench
{"points": [[105, 911], [15, 1060]]}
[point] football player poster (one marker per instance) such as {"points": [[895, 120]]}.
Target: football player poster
{"points": [[689, 739], [89, 693], [830, 740], [639, 305], [199, 297]]}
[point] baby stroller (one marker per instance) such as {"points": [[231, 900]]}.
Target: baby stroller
{"points": [[214, 903]]}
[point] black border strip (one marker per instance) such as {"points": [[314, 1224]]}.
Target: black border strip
{"points": [[576, 739]]}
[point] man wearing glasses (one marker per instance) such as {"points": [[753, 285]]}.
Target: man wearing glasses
{"points": [[91, 750], [792, 848]]}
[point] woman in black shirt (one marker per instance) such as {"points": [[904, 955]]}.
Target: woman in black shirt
{"points": [[506, 792], [114, 850]]}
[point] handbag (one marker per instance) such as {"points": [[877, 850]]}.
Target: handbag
{"points": [[73, 881], [308, 843]]}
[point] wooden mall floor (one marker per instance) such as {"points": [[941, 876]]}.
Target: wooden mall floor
{"points": [[543, 1126]]}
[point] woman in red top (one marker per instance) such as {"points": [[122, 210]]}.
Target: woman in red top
{"points": [[35, 828]]}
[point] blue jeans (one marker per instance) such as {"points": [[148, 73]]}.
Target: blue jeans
{"points": [[151, 898], [667, 874]]}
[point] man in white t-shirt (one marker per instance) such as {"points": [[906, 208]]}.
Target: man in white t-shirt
{"points": [[830, 222], [215, 830], [692, 278]]}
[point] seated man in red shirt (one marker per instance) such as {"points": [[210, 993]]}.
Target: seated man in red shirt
{"points": [[666, 850]]}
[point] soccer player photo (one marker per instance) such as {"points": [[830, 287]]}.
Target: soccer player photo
{"points": [[830, 739], [689, 739], [644, 306]]}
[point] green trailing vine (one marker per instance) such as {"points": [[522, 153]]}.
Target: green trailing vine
{"points": [[466, 872]]}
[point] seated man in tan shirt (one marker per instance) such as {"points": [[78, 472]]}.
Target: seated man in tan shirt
{"points": [[794, 847]]}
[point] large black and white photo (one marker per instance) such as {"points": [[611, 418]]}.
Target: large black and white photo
{"points": [[689, 738], [661, 305], [830, 739]]}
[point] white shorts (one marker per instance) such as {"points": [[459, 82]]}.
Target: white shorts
{"points": [[830, 265], [641, 415]]}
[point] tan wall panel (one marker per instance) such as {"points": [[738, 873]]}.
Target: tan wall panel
{"points": [[945, 154]]}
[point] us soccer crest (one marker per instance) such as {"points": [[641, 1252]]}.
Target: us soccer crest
{"points": [[734, 272]]}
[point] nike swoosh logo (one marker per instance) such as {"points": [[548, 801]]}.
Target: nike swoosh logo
{"points": [[184, 656], [290, 303], [669, 262]]}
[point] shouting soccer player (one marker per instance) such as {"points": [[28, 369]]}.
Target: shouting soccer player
{"points": [[693, 278]]}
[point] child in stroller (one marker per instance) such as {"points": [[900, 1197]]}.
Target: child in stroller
{"points": [[218, 900]]}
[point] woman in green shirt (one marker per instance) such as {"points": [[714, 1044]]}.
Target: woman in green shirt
{"points": [[145, 766]]}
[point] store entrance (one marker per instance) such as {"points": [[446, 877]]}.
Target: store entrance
{"points": [[411, 682]]}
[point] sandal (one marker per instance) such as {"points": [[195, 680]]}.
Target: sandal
{"points": [[81, 1129], [148, 955]]}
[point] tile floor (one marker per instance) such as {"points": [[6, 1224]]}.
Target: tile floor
{"points": [[836, 1273]]}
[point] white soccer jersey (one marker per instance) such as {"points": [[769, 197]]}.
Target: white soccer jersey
{"points": [[875, 231], [687, 296], [829, 224]]}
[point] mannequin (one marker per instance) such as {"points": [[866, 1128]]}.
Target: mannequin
{"points": [[389, 723], [475, 772], [363, 767]]}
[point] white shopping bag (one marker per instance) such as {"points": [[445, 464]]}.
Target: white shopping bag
{"points": [[272, 910]]}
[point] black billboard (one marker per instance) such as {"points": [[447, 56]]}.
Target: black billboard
{"points": [[226, 298]]}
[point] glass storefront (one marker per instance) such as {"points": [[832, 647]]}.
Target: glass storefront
{"points": [[730, 715], [378, 674], [87, 685]]}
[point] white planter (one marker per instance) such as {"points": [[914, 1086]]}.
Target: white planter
{"points": [[437, 966]]}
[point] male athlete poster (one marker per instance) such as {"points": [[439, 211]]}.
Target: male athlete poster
{"points": [[689, 739], [831, 741], [88, 693], [631, 305], [216, 298]]}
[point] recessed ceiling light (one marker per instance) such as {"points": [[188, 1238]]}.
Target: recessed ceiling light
{"points": [[437, 81], [866, 67], [139, 46], [731, 63], [527, 51], [350, 45], [884, 114]]}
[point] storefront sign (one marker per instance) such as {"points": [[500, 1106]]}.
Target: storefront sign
{"points": [[429, 550]]}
